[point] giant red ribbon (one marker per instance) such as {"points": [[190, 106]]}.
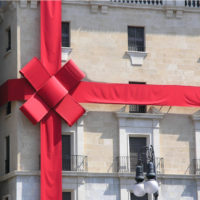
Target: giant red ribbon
{"points": [[46, 79], [52, 92]]}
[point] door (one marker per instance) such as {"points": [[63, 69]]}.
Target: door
{"points": [[136, 145]]}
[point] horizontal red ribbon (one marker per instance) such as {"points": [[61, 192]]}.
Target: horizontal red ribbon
{"points": [[113, 93]]}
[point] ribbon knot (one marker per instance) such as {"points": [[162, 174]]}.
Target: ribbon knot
{"points": [[52, 92]]}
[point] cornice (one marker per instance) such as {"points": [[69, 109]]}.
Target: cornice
{"points": [[139, 115], [16, 173]]}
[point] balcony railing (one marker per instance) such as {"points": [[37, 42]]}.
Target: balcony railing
{"points": [[140, 2], [192, 3], [196, 163], [160, 3], [74, 163], [127, 164]]}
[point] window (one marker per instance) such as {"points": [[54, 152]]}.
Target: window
{"points": [[65, 34], [136, 38], [136, 145], [8, 108], [8, 39], [7, 155], [66, 152], [133, 197], [66, 195], [137, 108]]}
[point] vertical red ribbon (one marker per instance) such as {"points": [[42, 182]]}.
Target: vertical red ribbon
{"points": [[51, 145]]}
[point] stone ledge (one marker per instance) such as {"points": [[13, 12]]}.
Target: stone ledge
{"points": [[139, 115], [93, 174], [136, 57], [195, 117], [65, 53]]}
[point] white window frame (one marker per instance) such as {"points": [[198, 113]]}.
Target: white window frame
{"points": [[136, 125]]}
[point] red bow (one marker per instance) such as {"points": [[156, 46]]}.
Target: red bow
{"points": [[52, 92]]}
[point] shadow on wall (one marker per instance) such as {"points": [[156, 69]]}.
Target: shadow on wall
{"points": [[178, 143], [117, 20], [174, 189], [102, 136]]}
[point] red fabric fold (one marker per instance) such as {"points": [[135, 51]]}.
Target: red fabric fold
{"points": [[113, 93], [51, 145]]}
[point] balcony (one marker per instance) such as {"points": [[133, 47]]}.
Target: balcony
{"points": [[127, 164], [140, 2], [160, 3], [192, 3], [76, 163]]}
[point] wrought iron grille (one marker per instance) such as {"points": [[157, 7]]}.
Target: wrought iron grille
{"points": [[74, 163], [192, 3], [196, 166], [140, 2], [127, 164]]}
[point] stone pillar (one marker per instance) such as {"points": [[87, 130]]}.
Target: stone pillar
{"points": [[156, 137], [196, 120], [80, 137]]}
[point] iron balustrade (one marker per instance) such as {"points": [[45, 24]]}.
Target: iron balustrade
{"points": [[186, 3], [140, 2], [192, 3], [74, 163], [127, 164], [196, 164]]}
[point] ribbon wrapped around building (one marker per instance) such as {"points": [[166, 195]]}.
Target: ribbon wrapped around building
{"points": [[53, 93]]}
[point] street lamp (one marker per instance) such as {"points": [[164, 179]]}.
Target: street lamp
{"points": [[150, 185]]}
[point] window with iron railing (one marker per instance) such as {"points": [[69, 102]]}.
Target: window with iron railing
{"points": [[137, 108], [71, 162], [136, 40]]}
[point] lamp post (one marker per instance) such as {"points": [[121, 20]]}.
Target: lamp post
{"points": [[149, 185]]}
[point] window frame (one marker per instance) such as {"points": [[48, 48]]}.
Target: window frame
{"points": [[138, 108], [133, 48], [69, 33]]}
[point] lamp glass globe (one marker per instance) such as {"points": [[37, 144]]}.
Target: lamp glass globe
{"points": [[151, 186], [138, 190]]}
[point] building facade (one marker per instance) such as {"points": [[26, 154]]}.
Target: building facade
{"points": [[114, 41]]}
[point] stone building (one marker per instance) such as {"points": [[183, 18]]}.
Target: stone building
{"points": [[123, 41]]}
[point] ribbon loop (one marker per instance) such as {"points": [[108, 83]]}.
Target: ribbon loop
{"points": [[35, 73]]}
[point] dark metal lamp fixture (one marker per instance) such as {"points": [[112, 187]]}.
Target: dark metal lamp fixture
{"points": [[150, 185]]}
